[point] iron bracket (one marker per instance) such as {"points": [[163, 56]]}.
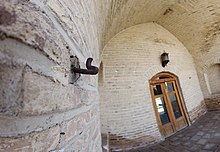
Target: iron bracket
{"points": [[76, 70]]}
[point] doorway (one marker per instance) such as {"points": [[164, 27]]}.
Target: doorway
{"points": [[168, 104]]}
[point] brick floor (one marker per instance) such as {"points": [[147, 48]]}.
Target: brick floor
{"points": [[201, 136]]}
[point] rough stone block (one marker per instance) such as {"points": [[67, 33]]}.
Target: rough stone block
{"points": [[78, 33], [77, 125], [32, 35], [10, 90], [39, 141], [27, 23], [42, 95], [88, 97], [14, 52], [86, 140]]}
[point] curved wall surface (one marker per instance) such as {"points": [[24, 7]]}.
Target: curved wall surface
{"points": [[129, 60], [38, 105], [39, 109]]}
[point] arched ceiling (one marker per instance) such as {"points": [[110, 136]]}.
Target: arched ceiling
{"points": [[195, 23]]}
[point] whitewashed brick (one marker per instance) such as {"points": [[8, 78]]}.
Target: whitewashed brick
{"points": [[126, 104]]}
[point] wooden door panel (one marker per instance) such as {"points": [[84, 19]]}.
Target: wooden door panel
{"points": [[175, 107], [180, 123], [168, 106], [178, 111], [168, 130]]}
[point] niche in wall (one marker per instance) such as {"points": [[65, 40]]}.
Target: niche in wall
{"points": [[214, 78]]}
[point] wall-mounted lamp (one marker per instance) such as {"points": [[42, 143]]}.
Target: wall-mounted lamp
{"points": [[164, 59]]}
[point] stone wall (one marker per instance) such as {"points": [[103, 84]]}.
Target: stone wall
{"points": [[39, 109], [129, 60]]}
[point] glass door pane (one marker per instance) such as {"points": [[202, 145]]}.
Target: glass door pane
{"points": [[157, 89], [161, 108], [175, 105], [169, 86]]}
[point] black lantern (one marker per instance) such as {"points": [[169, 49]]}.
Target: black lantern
{"points": [[164, 59]]}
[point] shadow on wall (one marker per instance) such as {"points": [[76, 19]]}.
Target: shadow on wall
{"points": [[213, 84], [214, 78]]}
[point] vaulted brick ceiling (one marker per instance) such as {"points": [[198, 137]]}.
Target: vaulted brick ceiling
{"points": [[195, 23]]}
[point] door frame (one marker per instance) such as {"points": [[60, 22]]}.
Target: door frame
{"points": [[169, 78]]}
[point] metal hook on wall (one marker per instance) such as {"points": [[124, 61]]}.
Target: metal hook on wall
{"points": [[76, 70]]}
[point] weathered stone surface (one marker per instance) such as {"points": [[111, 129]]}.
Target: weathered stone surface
{"points": [[6, 18], [80, 27], [42, 95], [39, 141], [31, 26], [88, 97], [14, 52], [87, 139], [77, 125], [15, 126], [11, 95], [32, 38]]}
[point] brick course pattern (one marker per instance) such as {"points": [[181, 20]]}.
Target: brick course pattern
{"points": [[39, 110], [130, 59], [197, 112], [37, 38], [44, 141], [213, 78], [213, 102]]}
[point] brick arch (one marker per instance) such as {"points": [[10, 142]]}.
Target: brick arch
{"points": [[130, 59], [176, 71], [157, 69], [212, 61], [166, 73], [206, 68], [54, 30]]}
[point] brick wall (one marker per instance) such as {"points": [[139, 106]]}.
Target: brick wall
{"points": [[214, 78], [38, 36], [208, 76], [39, 110], [129, 60], [196, 25]]}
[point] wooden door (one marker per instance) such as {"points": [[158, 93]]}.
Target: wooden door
{"points": [[168, 105]]}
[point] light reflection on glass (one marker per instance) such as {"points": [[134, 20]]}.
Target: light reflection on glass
{"points": [[157, 90], [175, 106], [161, 108]]}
